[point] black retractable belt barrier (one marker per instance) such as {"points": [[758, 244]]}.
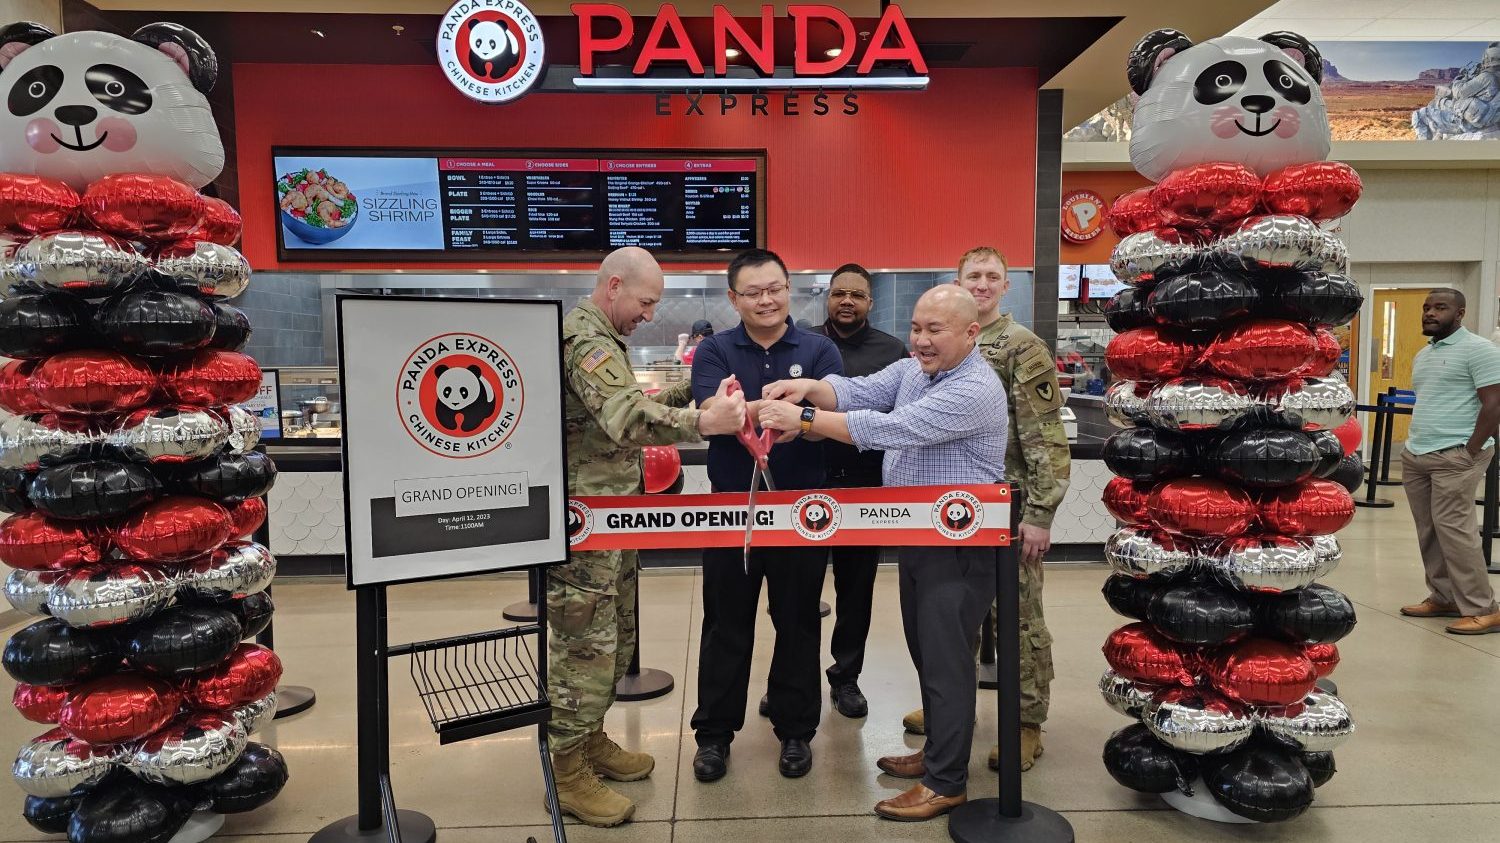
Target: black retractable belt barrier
{"points": [[637, 684], [290, 699], [1380, 448], [1491, 503], [526, 611]]}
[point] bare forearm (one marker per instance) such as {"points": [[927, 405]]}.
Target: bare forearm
{"points": [[828, 424], [1484, 427], [821, 395]]}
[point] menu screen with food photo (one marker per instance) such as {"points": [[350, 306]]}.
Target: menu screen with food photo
{"points": [[357, 203]]}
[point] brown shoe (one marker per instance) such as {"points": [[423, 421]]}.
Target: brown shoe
{"points": [[904, 766], [1428, 609], [918, 805], [1475, 625]]}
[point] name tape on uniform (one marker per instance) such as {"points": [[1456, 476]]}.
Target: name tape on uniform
{"points": [[898, 515]]}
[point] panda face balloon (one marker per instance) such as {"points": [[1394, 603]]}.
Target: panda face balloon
{"points": [[83, 105], [1254, 101]]}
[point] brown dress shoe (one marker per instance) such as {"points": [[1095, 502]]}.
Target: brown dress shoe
{"points": [[1475, 625], [904, 766], [918, 805], [1429, 609]]}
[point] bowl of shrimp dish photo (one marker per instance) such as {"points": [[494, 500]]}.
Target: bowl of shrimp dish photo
{"points": [[316, 207]]}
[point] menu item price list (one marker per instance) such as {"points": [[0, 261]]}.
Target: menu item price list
{"points": [[718, 210], [481, 210], [641, 209], [562, 211]]}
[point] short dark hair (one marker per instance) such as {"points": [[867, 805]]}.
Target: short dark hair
{"points": [[752, 258], [1458, 296], [854, 269]]}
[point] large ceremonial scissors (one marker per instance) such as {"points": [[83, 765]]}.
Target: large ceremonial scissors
{"points": [[759, 447]]}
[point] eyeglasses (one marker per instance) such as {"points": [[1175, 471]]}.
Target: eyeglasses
{"points": [[856, 295], [775, 291]]}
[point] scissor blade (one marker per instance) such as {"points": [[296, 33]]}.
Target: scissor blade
{"points": [[755, 476]]}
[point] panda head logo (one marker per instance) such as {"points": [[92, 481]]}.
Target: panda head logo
{"points": [[83, 105], [1253, 101], [493, 49], [815, 516], [958, 515], [465, 400]]}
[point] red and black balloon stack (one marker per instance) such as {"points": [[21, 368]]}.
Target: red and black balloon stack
{"points": [[1234, 471], [133, 485]]}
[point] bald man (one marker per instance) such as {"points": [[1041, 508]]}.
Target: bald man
{"points": [[591, 598], [940, 418]]}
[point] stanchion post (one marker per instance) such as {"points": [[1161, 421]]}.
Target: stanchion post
{"points": [[527, 612], [1491, 502], [1373, 469], [290, 699], [637, 684]]}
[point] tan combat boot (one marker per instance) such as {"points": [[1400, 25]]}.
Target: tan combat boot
{"points": [[915, 722], [580, 793], [1031, 749], [613, 762]]}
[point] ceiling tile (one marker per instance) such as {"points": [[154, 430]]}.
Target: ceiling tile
{"points": [[1313, 9], [1412, 28], [1311, 28], [1488, 30], [1441, 9]]}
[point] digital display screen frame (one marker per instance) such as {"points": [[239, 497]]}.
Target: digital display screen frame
{"points": [[1100, 281]]}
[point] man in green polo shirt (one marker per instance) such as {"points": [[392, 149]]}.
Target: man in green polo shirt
{"points": [[1457, 381]]}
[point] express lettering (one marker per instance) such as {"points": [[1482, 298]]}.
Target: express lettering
{"points": [[758, 104]]}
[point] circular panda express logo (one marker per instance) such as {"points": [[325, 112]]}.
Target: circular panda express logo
{"points": [[957, 515], [580, 522], [492, 50], [815, 517], [459, 395]]}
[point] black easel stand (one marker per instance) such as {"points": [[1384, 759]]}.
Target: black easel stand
{"points": [[290, 699], [637, 684], [1008, 818], [526, 612]]}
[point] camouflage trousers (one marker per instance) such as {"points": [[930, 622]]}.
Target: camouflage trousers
{"points": [[1036, 647], [591, 634]]}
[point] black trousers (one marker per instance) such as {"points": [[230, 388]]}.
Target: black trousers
{"points": [[945, 592], [854, 570], [794, 584]]}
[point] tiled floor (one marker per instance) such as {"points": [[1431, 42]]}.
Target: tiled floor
{"points": [[1419, 768]]}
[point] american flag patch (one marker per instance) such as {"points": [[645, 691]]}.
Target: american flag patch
{"points": [[595, 359]]}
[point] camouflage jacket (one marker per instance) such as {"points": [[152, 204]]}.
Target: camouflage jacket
{"points": [[1037, 462], [608, 418]]}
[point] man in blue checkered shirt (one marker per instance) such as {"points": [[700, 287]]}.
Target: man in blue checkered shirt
{"points": [[940, 417]]}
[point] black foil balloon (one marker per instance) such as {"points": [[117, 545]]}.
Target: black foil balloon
{"points": [[1330, 451], [1129, 596], [1261, 782], [254, 612], [231, 328], [1320, 766], [1201, 613], [13, 483], [1128, 310], [155, 323], [1350, 473], [50, 815], [183, 639], [124, 809], [49, 652], [1142, 453], [1202, 299], [92, 489], [250, 782], [1264, 458], [32, 327], [1315, 614], [227, 478], [1316, 298], [1136, 759]]}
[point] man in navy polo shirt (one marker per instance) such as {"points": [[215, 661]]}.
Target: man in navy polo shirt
{"points": [[765, 347]]}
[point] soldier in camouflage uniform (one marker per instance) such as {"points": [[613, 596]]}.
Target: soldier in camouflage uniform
{"points": [[1037, 465], [591, 598]]}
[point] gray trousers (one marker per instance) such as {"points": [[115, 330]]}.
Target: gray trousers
{"points": [[945, 592], [1440, 489]]}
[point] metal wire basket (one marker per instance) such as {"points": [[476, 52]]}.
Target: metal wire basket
{"points": [[479, 684]]}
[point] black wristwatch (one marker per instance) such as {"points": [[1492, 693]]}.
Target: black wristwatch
{"points": [[807, 417]]}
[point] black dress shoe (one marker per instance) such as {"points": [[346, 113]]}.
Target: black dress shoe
{"points": [[848, 700], [796, 758], [711, 762], [765, 704]]}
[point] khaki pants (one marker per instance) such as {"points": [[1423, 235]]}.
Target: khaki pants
{"points": [[1440, 488]]}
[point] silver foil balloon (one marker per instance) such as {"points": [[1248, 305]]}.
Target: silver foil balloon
{"points": [[1274, 241], [189, 750], [172, 433], [244, 429], [1320, 723], [1198, 404], [1194, 721], [253, 715], [28, 591], [209, 268], [1141, 552], [1328, 553], [106, 595], [1312, 403], [1263, 563], [1148, 255], [236, 569], [1332, 255], [1125, 404], [54, 764], [25, 442], [1126, 696], [85, 263]]}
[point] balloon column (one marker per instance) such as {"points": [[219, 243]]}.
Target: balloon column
{"points": [[125, 459], [1234, 419]]}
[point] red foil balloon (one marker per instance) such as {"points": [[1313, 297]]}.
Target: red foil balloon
{"points": [[1313, 507], [1137, 651], [118, 708], [221, 223], [1211, 194], [1260, 349], [16, 394], [1134, 211], [39, 703], [1198, 506], [212, 378], [1351, 435], [34, 204], [1259, 671], [1149, 354], [247, 516], [143, 206], [1318, 190], [36, 543], [1126, 500], [660, 466], [1324, 657], [249, 673], [173, 529], [1325, 358], [93, 381]]}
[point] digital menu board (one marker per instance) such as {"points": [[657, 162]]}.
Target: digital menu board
{"points": [[416, 204], [1070, 281], [1101, 281]]}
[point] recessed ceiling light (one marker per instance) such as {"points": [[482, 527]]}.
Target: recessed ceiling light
{"points": [[398, 29], [319, 33], [833, 52], [732, 53]]}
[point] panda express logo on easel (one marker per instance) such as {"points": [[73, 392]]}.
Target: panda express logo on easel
{"points": [[492, 50], [459, 395]]}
